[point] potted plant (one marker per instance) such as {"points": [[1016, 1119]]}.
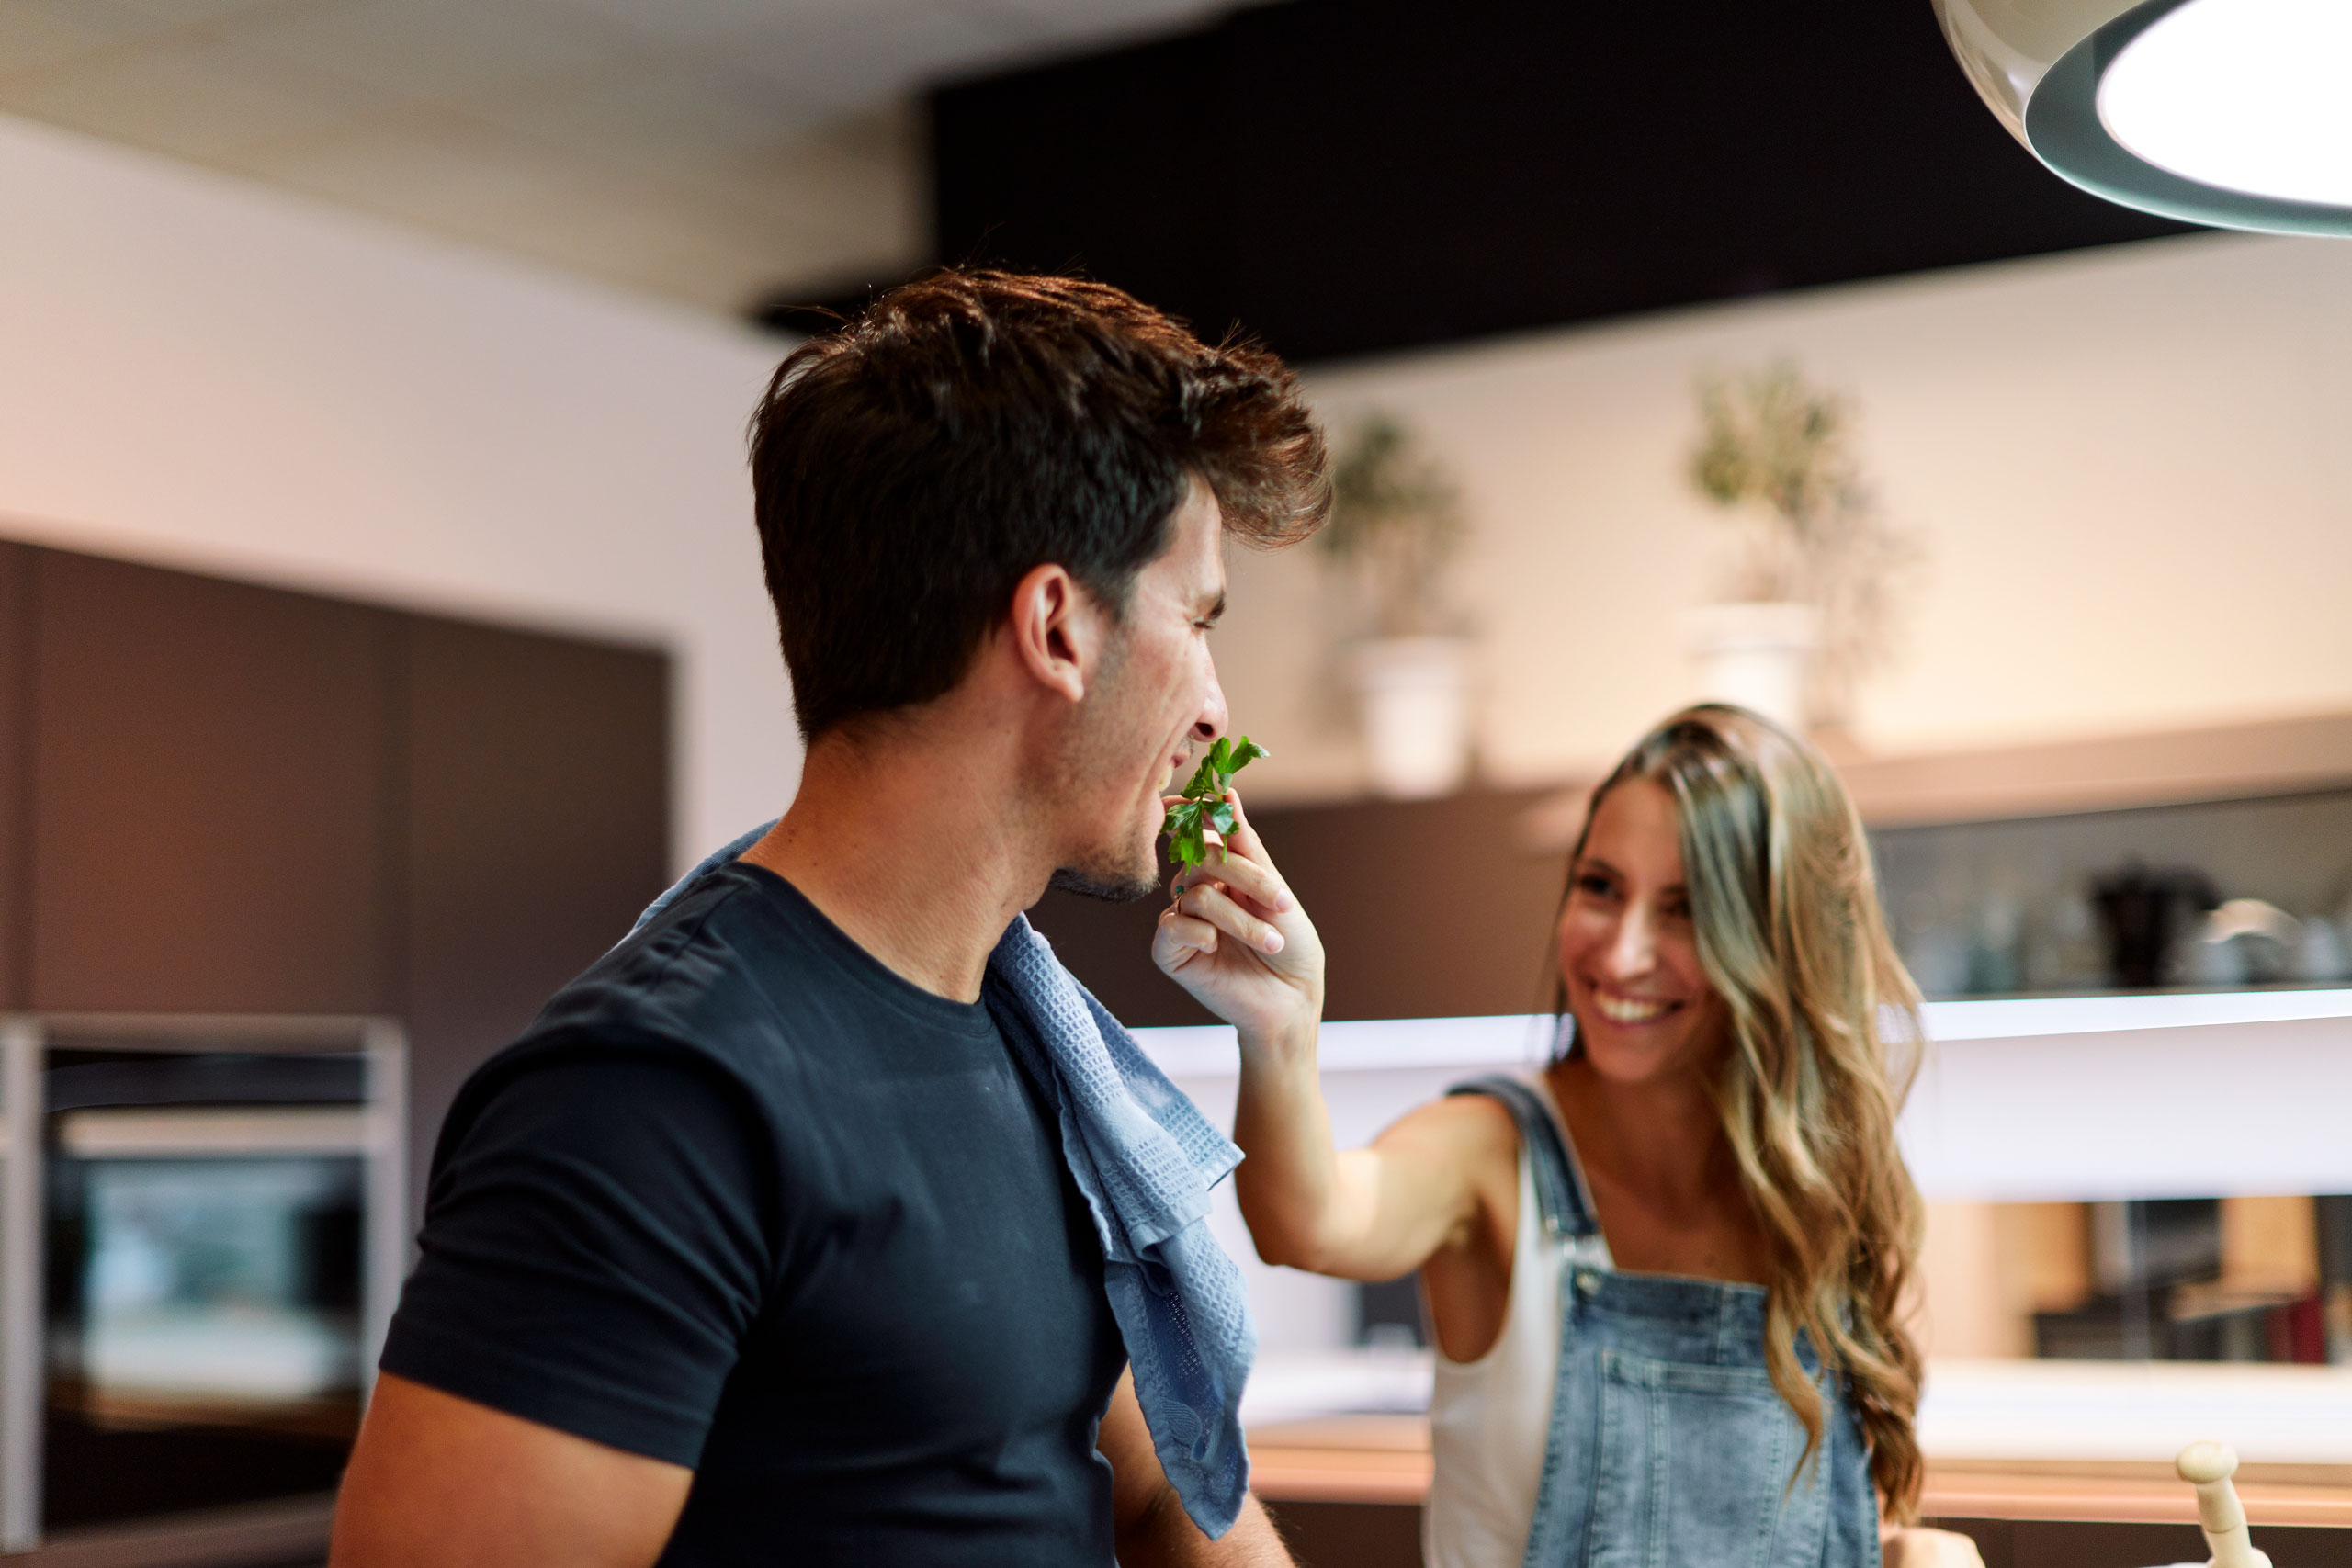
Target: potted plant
{"points": [[1807, 613], [1396, 526]]}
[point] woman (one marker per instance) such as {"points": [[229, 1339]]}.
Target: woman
{"points": [[1666, 1279]]}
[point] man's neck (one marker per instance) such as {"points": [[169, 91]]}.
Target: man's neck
{"points": [[907, 847]]}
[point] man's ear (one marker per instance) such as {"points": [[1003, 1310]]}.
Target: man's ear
{"points": [[1059, 630]]}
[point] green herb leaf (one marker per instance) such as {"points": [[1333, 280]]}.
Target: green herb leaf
{"points": [[1203, 804]]}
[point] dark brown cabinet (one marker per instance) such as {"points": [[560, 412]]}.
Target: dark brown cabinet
{"points": [[538, 813], [221, 799], [16, 769], [213, 776], [1427, 908]]}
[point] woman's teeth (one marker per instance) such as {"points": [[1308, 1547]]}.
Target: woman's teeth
{"points": [[1629, 1010]]}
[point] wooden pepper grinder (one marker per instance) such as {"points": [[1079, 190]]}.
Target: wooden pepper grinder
{"points": [[2208, 1466]]}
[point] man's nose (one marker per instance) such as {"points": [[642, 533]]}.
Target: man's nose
{"points": [[1213, 720]]}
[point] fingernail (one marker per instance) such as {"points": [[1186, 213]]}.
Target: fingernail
{"points": [[1272, 942]]}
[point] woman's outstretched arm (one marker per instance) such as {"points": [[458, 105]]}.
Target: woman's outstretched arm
{"points": [[1236, 938]]}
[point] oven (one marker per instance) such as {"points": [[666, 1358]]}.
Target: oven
{"points": [[202, 1234]]}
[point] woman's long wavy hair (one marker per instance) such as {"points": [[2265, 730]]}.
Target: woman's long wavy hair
{"points": [[1824, 1040]]}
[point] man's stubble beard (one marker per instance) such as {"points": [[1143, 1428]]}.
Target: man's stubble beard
{"points": [[1113, 873], [1115, 888]]}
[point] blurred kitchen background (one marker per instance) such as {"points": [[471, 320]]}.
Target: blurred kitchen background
{"points": [[375, 557]]}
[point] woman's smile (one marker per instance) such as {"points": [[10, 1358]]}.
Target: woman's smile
{"points": [[1629, 1010]]}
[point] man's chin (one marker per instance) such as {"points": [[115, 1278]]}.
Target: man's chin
{"points": [[1111, 884]]}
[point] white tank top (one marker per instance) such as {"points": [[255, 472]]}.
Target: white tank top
{"points": [[1490, 1418]]}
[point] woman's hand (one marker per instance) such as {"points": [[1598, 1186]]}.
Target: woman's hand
{"points": [[1236, 938], [1928, 1549]]}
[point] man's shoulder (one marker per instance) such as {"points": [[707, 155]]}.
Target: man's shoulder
{"points": [[719, 951], [706, 985]]}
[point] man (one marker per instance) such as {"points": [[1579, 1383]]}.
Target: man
{"points": [[760, 1247]]}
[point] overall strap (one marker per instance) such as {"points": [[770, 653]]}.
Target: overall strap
{"points": [[1559, 1190]]}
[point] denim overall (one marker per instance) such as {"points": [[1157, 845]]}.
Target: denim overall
{"points": [[1669, 1446]]}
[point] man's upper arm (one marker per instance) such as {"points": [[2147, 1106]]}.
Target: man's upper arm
{"points": [[595, 1244], [1153, 1529], [439, 1482]]}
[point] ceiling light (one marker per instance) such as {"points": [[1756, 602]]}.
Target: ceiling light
{"points": [[2235, 113]]}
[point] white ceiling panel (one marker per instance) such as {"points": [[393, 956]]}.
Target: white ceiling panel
{"points": [[196, 13], [870, 52], [456, 50], [194, 96], [703, 150], [688, 120], [36, 34]]}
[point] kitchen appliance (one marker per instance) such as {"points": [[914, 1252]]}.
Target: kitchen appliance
{"points": [[202, 1234], [2208, 1466]]}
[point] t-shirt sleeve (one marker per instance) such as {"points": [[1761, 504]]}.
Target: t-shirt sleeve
{"points": [[593, 1248]]}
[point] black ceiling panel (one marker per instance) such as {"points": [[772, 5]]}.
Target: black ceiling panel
{"points": [[1345, 176]]}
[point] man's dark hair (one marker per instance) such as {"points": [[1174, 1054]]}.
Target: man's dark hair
{"points": [[912, 468]]}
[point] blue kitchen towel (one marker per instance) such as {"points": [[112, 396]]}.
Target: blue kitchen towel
{"points": [[1145, 1158]]}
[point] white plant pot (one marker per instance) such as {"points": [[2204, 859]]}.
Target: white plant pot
{"points": [[1755, 656], [1413, 696]]}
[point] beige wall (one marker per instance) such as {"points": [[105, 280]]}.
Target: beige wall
{"points": [[2131, 469], [203, 373]]}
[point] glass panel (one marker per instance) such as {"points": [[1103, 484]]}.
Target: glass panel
{"points": [[219, 1286], [2132, 899], [203, 1319]]}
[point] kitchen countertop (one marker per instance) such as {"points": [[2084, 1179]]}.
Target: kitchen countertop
{"points": [[1386, 1459]]}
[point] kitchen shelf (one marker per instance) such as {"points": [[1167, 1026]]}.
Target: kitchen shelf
{"points": [[2056, 1099], [2243, 760]]}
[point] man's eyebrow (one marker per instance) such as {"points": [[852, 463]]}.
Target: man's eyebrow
{"points": [[1216, 612]]}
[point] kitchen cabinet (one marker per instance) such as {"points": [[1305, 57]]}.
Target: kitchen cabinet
{"points": [[212, 794], [536, 827], [222, 799], [16, 775], [233, 804], [1427, 908]]}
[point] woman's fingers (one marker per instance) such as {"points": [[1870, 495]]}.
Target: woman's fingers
{"points": [[1207, 901], [1243, 869], [1258, 889], [1244, 837], [1180, 936]]}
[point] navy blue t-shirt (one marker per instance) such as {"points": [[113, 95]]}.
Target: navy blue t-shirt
{"points": [[743, 1200]]}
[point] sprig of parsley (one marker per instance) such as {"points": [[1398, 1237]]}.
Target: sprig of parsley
{"points": [[1205, 805]]}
